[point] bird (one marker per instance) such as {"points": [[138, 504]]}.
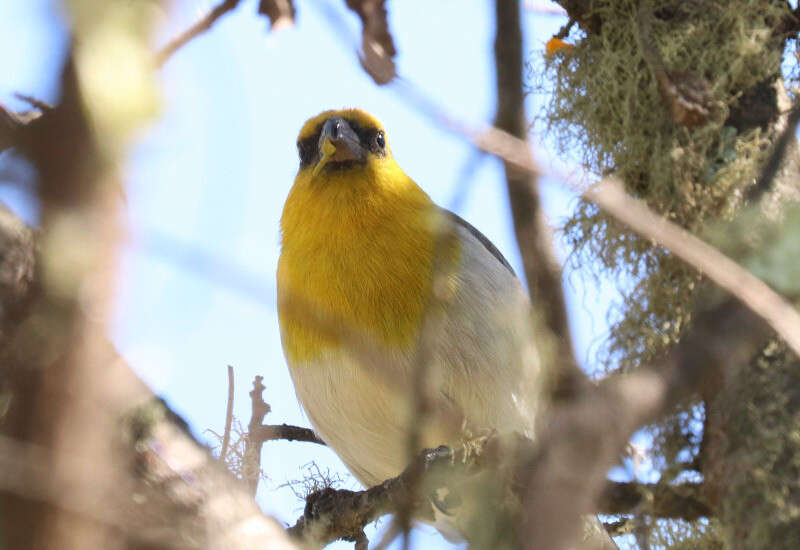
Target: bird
{"points": [[366, 254]]}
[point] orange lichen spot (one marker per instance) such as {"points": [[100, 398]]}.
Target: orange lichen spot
{"points": [[555, 45]]}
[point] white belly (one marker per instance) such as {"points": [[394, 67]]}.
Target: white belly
{"points": [[363, 414]]}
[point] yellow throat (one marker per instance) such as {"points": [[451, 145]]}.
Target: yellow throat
{"points": [[357, 245]]}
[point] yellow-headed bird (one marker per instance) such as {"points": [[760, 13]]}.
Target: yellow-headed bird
{"points": [[358, 244]]}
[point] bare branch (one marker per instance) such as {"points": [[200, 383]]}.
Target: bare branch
{"points": [[424, 394], [341, 514], [251, 464], [226, 437], [195, 30], [180, 493], [361, 541], [533, 233]]}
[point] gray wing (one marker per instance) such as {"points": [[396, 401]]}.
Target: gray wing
{"points": [[455, 218]]}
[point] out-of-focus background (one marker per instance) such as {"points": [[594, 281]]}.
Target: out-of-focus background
{"points": [[205, 185]]}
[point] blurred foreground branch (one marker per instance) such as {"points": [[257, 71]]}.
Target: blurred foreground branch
{"points": [[533, 233], [90, 458]]}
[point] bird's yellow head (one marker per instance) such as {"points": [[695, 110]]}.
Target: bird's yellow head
{"points": [[347, 182], [341, 141]]}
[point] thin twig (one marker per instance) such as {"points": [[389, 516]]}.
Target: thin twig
{"points": [[198, 28], [251, 464], [388, 536], [226, 438], [36, 103], [720, 269], [563, 32]]}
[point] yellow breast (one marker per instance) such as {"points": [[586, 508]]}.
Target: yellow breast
{"points": [[357, 247]]}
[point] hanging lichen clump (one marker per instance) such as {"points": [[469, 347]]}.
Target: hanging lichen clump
{"points": [[606, 104]]}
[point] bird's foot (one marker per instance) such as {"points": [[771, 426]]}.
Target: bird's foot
{"points": [[432, 457]]}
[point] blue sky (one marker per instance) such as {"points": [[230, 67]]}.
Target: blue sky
{"points": [[209, 177]]}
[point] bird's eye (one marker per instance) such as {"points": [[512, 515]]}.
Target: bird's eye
{"points": [[380, 141]]}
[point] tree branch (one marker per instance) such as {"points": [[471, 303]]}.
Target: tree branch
{"points": [[533, 234], [340, 514]]}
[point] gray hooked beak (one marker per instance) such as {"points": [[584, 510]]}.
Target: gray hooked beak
{"points": [[337, 142]]}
